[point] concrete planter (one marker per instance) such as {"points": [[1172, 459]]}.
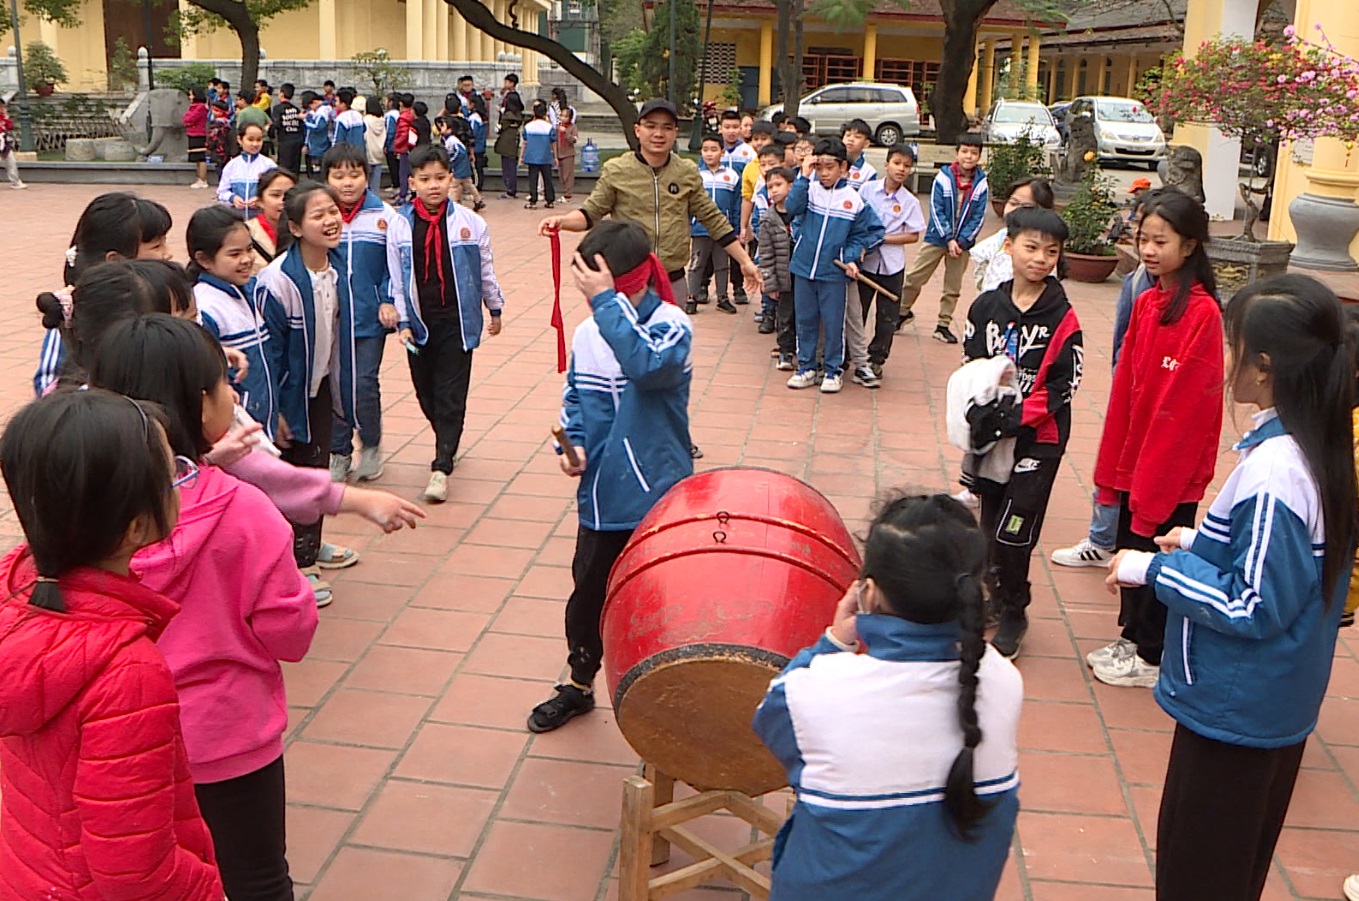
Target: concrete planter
{"points": [[1089, 267], [1237, 263], [1325, 227]]}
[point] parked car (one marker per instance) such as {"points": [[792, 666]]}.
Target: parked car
{"points": [[1261, 164], [1058, 111], [1009, 119], [1125, 129], [890, 110]]}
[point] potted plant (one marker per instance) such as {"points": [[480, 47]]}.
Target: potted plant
{"points": [[1007, 163], [1263, 94], [42, 69], [1089, 253]]}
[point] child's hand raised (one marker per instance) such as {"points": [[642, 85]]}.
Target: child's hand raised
{"points": [[591, 282], [844, 628]]}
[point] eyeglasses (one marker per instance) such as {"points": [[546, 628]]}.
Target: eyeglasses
{"points": [[186, 473]]}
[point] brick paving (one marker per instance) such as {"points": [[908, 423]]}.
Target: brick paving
{"points": [[410, 773]]}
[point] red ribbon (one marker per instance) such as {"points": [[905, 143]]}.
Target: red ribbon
{"points": [[648, 272], [557, 322]]}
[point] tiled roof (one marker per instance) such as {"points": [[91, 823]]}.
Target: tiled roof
{"points": [[1003, 13]]}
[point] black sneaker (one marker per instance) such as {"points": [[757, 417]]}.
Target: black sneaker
{"points": [[942, 333], [726, 306], [568, 703], [1014, 624], [702, 299], [690, 306], [742, 299], [767, 325]]}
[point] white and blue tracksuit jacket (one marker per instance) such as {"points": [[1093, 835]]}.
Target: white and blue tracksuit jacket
{"points": [[363, 248], [389, 119], [241, 177], [283, 291], [868, 741], [626, 402], [861, 172], [317, 124], [236, 318], [737, 158], [723, 185], [470, 242], [947, 221], [51, 360], [460, 164], [349, 128], [1250, 635], [836, 224], [538, 136], [478, 134]]}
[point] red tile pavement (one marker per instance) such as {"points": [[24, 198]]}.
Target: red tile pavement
{"points": [[410, 774]]}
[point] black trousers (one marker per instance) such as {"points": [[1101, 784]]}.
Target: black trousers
{"points": [[314, 454], [313, 167], [246, 817], [1012, 520], [393, 168], [595, 556], [442, 374], [786, 323], [479, 167], [1141, 615], [1221, 813], [543, 171], [290, 156], [888, 311]]}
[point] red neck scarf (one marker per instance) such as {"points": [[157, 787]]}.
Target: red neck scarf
{"points": [[349, 215], [270, 228], [434, 257], [648, 271]]}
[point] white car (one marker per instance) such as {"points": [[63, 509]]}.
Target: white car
{"points": [[1125, 129], [890, 110], [1009, 119]]}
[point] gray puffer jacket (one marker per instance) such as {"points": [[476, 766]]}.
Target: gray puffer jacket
{"points": [[776, 250]]}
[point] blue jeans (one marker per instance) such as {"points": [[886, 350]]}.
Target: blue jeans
{"points": [[367, 399], [820, 305], [1104, 526]]}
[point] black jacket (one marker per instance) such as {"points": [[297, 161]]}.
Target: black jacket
{"points": [[1045, 344]]}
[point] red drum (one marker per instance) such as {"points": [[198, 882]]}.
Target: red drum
{"points": [[732, 573]]}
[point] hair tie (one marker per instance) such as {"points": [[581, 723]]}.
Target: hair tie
{"points": [[47, 579]]}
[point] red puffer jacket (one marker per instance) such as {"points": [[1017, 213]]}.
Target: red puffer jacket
{"points": [[96, 803]]}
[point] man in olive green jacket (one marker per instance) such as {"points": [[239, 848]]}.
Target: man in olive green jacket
{"points": [[660, 190]]}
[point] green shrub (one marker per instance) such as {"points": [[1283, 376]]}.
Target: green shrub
{"points": [[182, 78], [1007, 163], [1089, 214]]}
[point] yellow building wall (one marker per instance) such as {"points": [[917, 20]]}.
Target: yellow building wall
{"points": [[80, 49], [370, 24], [291, 35]]}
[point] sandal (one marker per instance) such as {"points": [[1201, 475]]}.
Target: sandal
{"points": [[319, 587], [332, 556], [549, 205]]}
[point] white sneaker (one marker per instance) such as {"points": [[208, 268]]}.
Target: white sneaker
{"points": [[1114, 650], [1351, 887], [967, 499], [1127, 672], [1082, 553], [198, 186], [339, 467], [436, 492], [802, 379], [831, 384], [866, 377], [370, 464], [19, 186]]}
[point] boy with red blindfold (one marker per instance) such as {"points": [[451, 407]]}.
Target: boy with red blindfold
{"points": [[626, 413]]}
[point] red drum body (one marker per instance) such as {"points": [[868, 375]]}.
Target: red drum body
{"points": [[732, 573]]}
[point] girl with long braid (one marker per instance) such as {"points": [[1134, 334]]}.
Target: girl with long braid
{"points": [[903, 757]]}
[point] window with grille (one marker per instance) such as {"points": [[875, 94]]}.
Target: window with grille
{"points": [[918, 75], [718, 63]]}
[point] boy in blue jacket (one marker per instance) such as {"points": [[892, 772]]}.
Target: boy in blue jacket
{"points": [[837, 227], [957, 210], [723, 184], [625, 411]]}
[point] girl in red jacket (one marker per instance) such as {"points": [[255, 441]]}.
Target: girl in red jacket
{"points": [[1164, 419], [95, 796], [196, 130]]}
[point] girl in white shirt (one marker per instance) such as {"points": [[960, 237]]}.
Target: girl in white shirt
{"points": [[992, 263]]}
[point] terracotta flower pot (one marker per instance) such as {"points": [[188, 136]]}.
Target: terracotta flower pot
{"points": [[1089, 267], [44, 90]]}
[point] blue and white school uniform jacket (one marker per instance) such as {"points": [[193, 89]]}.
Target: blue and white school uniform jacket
{"points": [[473, 267], [458, 161], [947, 222], [51, 360], [738, 157], [626, 402], [241, 178], [868, 741], [235, 317], [836, 224], [317, 125], [478, 133], [861, 172], [724, 187], [389, 142], [1250, 636], [363, 247], [349, 128], [538, 136], [284, 291]]}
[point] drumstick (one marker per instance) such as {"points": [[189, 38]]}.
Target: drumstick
{"points": [[869, 282], [568, 449]]}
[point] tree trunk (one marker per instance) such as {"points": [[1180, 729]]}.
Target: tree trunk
{"points": [[247, 30], [479, 17], [961, 18]]}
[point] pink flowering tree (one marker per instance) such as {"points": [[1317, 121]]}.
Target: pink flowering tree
{"points": [[1264, 94]]}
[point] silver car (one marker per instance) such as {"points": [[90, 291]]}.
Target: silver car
{"points": [[1125, 129], [1009, 119], [890, 110]]}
